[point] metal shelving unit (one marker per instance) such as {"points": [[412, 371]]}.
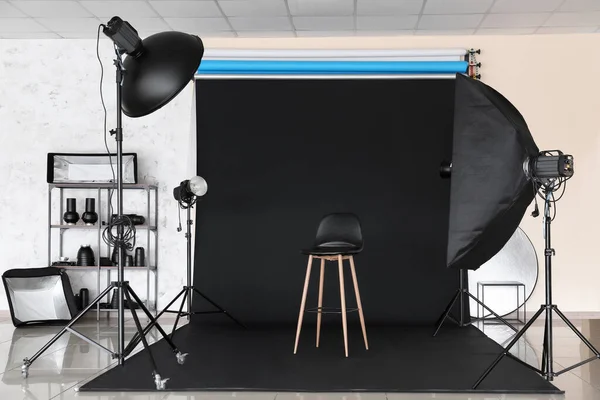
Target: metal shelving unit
{"points": [[55, 222]]}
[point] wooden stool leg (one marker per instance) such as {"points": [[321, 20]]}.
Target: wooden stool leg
{"points": [[303, 302], [343, 298], [320, 305], [359, 303]]}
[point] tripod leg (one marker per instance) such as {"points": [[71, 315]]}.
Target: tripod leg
{"points": [[544, 351], [28, 361], [180, 356], [446, 312], [160, 383], [549, 374], [577, 332], [135, 340], [185, 296], [219, 307], [492, 311], [507, 349]]}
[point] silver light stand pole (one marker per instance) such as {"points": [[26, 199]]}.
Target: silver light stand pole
{"points": [[118, 132]]}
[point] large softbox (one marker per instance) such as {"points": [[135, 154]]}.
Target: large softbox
{"points": [[489, 188]]}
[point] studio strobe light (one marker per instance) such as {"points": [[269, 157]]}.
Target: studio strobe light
{"points": [[124, 36], [187, 194], [190, 189], [495, 172], [550, 164], [155, 70]]}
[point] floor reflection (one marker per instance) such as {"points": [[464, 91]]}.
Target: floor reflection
{"points": [[71, 361]]}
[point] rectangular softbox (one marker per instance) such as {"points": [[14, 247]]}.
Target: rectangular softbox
{"points": [[89, 167], [40, 296]]}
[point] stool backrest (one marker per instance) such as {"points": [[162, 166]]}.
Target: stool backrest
{"points": [[339, 229]]}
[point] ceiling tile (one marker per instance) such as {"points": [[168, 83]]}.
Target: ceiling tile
{"points": [[124, 9], [8, 11], [574, 19], [525, 6], [434, 32], [386, 23], [325, 33], [566, 29], [580, 5], [30, 35], [148, 24], [324, 23], [51, 9], [506, 31], [79, 35], [186, 9], [70, 24], [198, 24], [449, 22], [266, 34], [457, 6], [144, 34], [217, 34], [19, 25], [514, 20], [321, 7], [389, 7], [260, 24], [254, 8], [407, 32]]}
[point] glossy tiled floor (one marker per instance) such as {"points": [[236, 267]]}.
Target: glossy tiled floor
{"points": [[71, 361]]}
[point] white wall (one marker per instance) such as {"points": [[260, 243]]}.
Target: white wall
{"points": [[49, 102]]}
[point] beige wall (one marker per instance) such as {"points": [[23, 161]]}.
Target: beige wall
{"points": [[554, 80]]}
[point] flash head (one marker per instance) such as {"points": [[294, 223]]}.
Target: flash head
{"points": [[124, 36]]}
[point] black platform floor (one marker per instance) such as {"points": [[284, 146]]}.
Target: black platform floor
{"points": [[400, 359]]}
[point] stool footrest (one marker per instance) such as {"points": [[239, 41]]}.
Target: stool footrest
{"points": [[329, 310]]}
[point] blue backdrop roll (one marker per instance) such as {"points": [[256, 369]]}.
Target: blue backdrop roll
{"points": [[262, 67]]}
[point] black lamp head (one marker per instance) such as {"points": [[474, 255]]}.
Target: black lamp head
{"points": [[190, 189], [124, 36], [156, 68], [550, 164]]}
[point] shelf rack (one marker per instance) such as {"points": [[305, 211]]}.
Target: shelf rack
{"points": [[149, 228]]}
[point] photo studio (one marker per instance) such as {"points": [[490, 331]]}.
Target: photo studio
{"points": [[300, 199]]}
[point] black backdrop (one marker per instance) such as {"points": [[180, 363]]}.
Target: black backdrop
{"points": [[279, 154]]}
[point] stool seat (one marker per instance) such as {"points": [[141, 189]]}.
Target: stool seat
{"points": [[332, 250]]}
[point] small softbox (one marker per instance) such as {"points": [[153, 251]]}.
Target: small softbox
{"points": [[39, 296]]}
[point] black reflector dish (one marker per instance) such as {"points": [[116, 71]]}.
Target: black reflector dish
{"points": [[166, 65], [489, 189]]}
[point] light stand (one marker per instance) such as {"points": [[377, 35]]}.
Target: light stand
{"points": [[188, 290], [547, 370], [124, 291], [463, 295]]}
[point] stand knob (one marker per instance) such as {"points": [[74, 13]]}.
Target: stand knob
{"points": [[181, 357], [161, 384]]}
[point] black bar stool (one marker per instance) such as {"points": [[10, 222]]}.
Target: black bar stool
{"points": [[339, 237]]}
